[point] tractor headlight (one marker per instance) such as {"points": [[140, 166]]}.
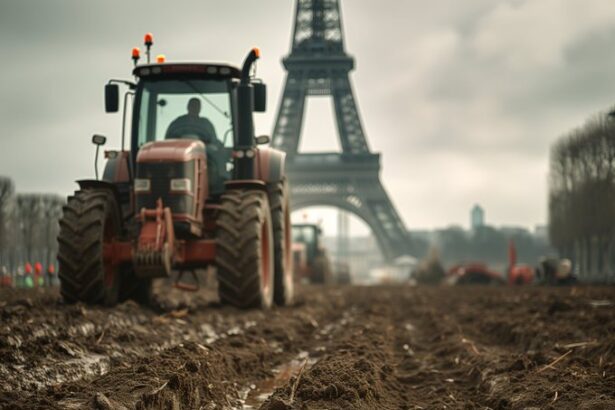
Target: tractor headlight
{"points": [[142, 185], [181, 185]]}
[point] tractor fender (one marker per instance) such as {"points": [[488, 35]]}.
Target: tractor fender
{"points": [[117, 169], [121, 193], [269, 165], [256, 184], [97, 184]]}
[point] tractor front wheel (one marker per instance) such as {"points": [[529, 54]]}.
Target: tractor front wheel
{"points": [[90, 221], [244, 251]]}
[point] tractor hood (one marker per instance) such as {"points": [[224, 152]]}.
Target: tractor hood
{"points": [[173, 150]]}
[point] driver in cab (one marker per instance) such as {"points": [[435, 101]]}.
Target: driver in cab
{"points": [[192, 124]]}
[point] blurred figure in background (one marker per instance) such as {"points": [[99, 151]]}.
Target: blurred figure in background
{"points": [[39, 280], [553, 271], [19, 277], [27, 280], [51, 275]]}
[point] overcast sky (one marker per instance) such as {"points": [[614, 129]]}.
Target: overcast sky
{"points": [[462, 98]]}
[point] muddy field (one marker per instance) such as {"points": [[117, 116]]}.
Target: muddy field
{"points": [[348, 347]]}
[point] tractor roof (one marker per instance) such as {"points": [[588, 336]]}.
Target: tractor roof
{"points": [[186, 69]]}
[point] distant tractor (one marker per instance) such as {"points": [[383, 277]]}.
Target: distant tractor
{"points": [[473, 273], [309, 255], [192, 191]]}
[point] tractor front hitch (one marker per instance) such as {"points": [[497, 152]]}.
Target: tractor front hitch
{"points": [[155, 250]]}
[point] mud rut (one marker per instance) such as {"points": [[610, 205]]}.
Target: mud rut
{"points": [[349, 347]]}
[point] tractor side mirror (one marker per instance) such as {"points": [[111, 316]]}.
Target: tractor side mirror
{"points": [[112, 98], [262, 139], [260, 97], [98, 139]]}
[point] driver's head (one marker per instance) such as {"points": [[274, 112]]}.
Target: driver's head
{"points": [[194, 107]]}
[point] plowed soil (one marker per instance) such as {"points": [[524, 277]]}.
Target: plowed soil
{"points": [[397, 347]]}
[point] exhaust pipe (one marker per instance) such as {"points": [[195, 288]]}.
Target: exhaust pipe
{"points": [[244, 147]]}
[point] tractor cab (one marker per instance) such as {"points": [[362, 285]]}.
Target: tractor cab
{"points": [[191, 134], [309, 253], [188, 102], [310, 236]]}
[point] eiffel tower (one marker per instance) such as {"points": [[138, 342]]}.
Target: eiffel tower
{"points": [[319, 66]]}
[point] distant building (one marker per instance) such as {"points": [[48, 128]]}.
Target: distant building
{"points": [[477, 217], [511, 230]]}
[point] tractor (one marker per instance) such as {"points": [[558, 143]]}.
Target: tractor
{"points": [[194, 190], [310, 257]]}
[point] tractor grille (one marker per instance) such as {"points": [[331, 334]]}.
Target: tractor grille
{"points": [[160, 175]]}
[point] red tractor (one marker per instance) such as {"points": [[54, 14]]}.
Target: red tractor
{"points": [[194, 190], [310, 256]]}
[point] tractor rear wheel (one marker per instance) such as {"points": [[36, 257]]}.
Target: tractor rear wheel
{"points": [[283, 289], [244, 251], [90, 221]]}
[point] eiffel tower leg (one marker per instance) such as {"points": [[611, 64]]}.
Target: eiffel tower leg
{"points": [[348, 121], [363, 197], [389, 228], [290, 115]]}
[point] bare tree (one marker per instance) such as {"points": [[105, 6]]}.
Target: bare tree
{"points": [[38, 221], [582, 196], [7, 222]]}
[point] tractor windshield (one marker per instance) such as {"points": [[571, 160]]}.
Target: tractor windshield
{"points": [[184, 108]]}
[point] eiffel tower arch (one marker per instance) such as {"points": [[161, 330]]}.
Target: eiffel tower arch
{"points": [[319, 66]]}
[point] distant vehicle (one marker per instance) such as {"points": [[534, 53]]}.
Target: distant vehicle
{"points": [[475, 273], [309, 255]]}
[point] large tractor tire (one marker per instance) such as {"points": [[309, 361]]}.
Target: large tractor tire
{"points": [[91, 219], [283, 290], [244, 251]]}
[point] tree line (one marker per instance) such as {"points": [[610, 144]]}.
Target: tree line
{"points": [[28, 227], [582, 197]]}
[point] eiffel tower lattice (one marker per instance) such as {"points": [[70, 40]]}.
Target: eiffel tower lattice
{"points": [[319, 66]]}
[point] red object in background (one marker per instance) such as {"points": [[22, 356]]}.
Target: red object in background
{"points": [[28, 268], [51, 269], [38, 270], [474, 272], [518, 274], [6, 281], [521, 275]]}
